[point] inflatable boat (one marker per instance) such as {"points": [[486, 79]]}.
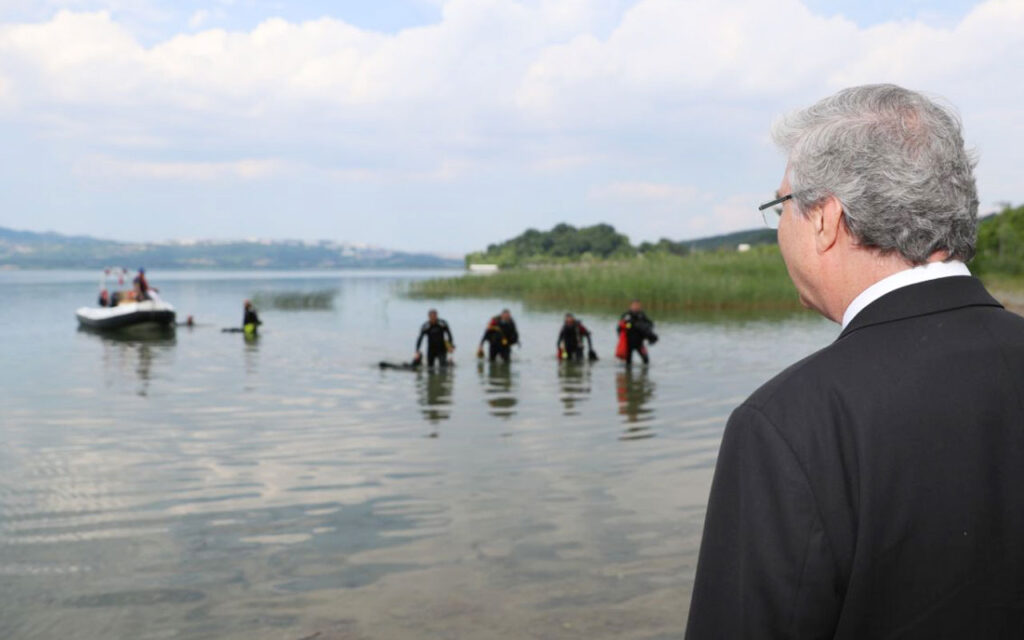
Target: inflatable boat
{"points": [[155, 313], [122, 309]]}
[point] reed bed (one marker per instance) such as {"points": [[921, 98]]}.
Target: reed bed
{"points": [[752, 281], [322, 300]]}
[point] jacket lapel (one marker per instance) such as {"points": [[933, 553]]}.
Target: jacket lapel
{"points": [[933, 296]]}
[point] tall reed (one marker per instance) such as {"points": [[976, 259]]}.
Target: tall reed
{"points": [[713, 281], [321, 300]]}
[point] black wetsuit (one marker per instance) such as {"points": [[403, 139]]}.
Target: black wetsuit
{"points": [[500, 336], [638, 328], [251, 318], [571, 340], [438, 336]]}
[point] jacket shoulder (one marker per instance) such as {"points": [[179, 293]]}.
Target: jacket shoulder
{"points": [[886, 353], [791, 378]]}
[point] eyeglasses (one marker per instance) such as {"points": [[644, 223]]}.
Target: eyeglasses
{"points": [[771, 218]]}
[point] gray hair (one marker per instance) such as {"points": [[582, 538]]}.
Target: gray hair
{"points": [[895, 160]]}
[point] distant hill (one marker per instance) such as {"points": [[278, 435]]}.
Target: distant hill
{"points": [[32, 250], [753, 237]]}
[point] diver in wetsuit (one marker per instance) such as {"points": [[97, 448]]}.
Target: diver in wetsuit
{"points": [[439, 340], [570, 340], [499, 335], [250, 320], [638, 328]]}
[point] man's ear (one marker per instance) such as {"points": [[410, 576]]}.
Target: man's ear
{"points": [[827, 217]]}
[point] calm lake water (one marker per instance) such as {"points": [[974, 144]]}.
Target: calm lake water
{"points": [[199, 486]]}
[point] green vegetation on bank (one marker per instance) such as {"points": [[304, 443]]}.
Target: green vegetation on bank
{"points": [[595, 268], [1000, 247], [565, 243], [709, 281]]}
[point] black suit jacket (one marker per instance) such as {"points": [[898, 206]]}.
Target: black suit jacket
{"points": [[876, 488]]}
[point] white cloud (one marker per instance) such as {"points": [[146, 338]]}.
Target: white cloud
{"points": [[653, 210], [111, 167], [685, 53], [554, 162], [732, 213], [245, 169], [493, 59], [496, 93], [650, 194], [199, 18]]}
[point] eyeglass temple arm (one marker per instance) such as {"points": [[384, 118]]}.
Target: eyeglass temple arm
{"points": [[775, 202]]}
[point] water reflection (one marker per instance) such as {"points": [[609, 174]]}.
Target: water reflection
{"points": [[252, 352], [574, 384], [499, 388], [137, 352], [434, 389], [635, 392]]}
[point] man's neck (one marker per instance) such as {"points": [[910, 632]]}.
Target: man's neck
{"points": [[863, 270]]}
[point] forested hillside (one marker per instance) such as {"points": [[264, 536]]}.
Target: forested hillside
{"points": [[564, 243], [31, 250]]}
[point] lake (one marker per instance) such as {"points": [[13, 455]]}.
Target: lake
{"points": [[198, 485]]}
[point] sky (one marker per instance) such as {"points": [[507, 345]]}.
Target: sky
{"points": [[446, 125]]}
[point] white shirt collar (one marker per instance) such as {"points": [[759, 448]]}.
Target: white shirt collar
{"points": [[914, 275]]}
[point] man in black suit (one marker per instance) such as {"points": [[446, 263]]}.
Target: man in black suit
{"points": [[876, 488]]}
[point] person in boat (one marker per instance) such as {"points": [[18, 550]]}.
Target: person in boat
{"points": [[250, 320], [104, 300], [499, 335], [634, 329], [439, 340], [570, 340], [142, 287]]}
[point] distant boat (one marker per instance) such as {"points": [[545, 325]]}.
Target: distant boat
{"points": [[128, 314], [113, 315]]}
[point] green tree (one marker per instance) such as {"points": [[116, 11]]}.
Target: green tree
{"points": [[1000, 246], [563, 243]]}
